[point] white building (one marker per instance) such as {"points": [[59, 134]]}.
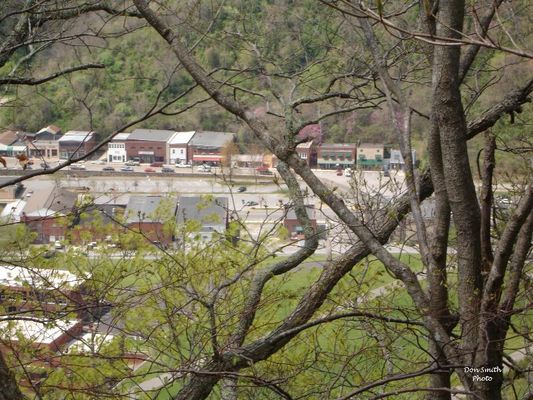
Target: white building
{"points": [[116, 149], [178, 146]]}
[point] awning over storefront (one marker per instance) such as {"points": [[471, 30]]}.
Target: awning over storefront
{"points": [[207, 157]]}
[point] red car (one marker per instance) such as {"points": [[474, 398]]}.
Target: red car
{"points": [[149, 169], [339, 172]]}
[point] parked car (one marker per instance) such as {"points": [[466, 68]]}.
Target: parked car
{"points": [[58, 245], [132, 163], [167, 169], [241, 189], [251, 203], [149, 169], [263, 171], [108, 168], [348, 172], [156, 164], [204, 168], [183, 165], [78, 167], [127, 168], [339, 172]]}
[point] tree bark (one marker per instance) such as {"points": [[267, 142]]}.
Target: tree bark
{"points": [[9, 389], [448, 108]]}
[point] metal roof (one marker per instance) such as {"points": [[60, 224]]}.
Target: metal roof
{"points": [[76, 136], [208, 211], [121, 136], [338, 146], [142, 208], [154, 135], [37, 278], [211, 140], [311, 213], [181, 137]]}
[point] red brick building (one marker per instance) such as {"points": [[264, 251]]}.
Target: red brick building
{"points": [[292, 224], [337, 155], [76, 144], [307, 152], [152, 216], [206, 147], [148, 145], [47, 224]]}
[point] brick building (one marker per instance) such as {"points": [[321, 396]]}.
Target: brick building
{"points": [[292, 224], [206, 147], [34, 290], [336, 155], [150, 215], [148, 145], [76, 144], [44, 143], [51, 221], [308, 152]]}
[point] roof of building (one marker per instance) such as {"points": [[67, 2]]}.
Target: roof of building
{"points": [[13, 210], [381, 145], [50, 279], [90, 342], [143, 208], [153, 135], [44, 212], [117, 199], [77, 136], [181, 137], [121, 136], [8, 137], [211, 140], [44, 331], [55, 130], [311, 213], [339, 146], [208, 210], [306, 145]]}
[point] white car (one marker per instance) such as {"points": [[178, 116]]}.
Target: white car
{"points": [[183, 165], [58, 245], [204, 168], [78, 167]]}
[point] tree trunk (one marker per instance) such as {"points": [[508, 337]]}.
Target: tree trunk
{"points": [[459, 183], [9, 389], [437, 278]]}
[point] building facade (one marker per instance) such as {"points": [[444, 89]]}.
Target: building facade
{"points": [[76, 144], [207, 147], [116, 149], [292, 224], [44, 143], [148, 145], [370, 156], [336, 155], [178, 147], [308, 152]]}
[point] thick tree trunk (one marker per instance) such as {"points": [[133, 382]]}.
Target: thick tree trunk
{"points": [[448, 109], [9, 389], [437, 278]]}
